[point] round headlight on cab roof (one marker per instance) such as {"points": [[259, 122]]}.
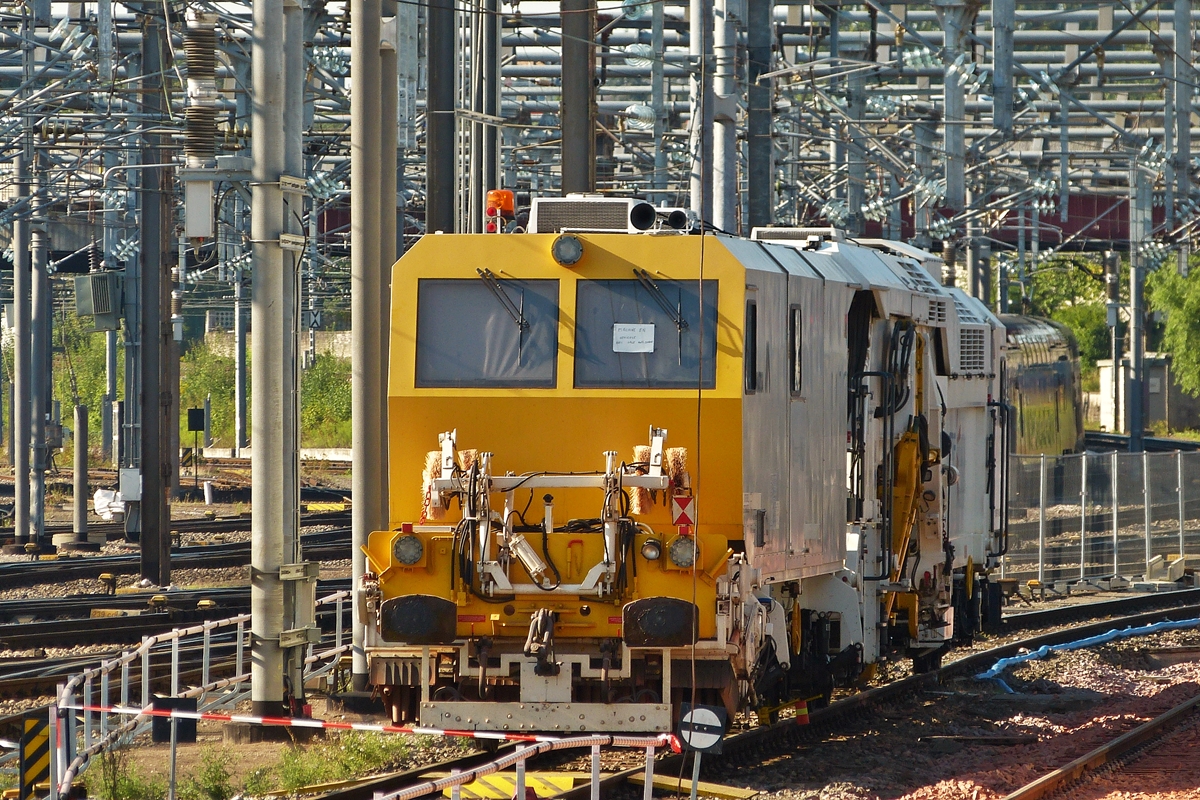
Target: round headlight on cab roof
{"points": [[567, 249]]}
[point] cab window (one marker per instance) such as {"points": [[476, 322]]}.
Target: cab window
{"points": [[645, 333], [487, 332]]}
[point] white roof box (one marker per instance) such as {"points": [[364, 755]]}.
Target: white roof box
{"points": [[797, 234], [593, 213]]}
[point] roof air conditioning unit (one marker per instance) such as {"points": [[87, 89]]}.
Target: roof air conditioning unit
{"points": [[585, 213]]}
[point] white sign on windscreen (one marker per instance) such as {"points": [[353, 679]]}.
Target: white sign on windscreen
{"points": [[633, 338]]}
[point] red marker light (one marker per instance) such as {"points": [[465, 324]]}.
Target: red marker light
{"points": [[501, 205]]}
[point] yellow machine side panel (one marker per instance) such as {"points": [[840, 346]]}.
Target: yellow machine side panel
{"points": [[579, 616], [564, 428], [570, 434], [567, 429]]}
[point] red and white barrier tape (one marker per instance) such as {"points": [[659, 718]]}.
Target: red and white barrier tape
{"points": [[618, 740]]}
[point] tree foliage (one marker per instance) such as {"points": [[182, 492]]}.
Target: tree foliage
{"points": [[324, 396], [325, 402], [204, 371], [1070, 289], [1179, 297]]}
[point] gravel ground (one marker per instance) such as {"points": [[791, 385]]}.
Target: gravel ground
{"points": [[1071, 703]]}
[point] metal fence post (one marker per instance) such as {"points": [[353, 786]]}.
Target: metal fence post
{"points": [[57, 752], [1042, 520], [1179, 494], [206, 657], [145, 675], [241, 639], [1116, 518], [1146, 510], [87, 712], [1083, 499], [519, 789], [175, 666], [337, 625], [125, 682], [648, 791], [595, 772], [104, 703]]}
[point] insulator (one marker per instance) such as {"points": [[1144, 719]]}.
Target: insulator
{"points": [[200, 134], [200, 115], [200, 43]]}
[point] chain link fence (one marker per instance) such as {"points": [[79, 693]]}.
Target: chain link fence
{"points": [[1095, 515]]}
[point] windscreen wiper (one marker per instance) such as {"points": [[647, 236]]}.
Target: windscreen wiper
{"points": [[517, 312], [674, 312]]}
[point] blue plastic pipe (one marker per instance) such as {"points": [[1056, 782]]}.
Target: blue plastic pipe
{"points": [[1079, 644]]}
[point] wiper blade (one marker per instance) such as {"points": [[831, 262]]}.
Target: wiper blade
{"points": [[656, 293], [516, 312]]}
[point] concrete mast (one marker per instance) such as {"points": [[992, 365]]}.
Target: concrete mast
{"points": [[39, 393], [388, 163], [268, 460], [1185, 79], [759, 155], [1140, 227], [725, 156], [700, 99], [293, 166], [658, 179], [155, 470], [439, 118], [105, 49], [365, 186], [1003, 22], [956, 19], [578, 109], [21, 421]]}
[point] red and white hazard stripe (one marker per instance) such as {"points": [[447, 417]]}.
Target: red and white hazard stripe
{"points": [[660, 740]]}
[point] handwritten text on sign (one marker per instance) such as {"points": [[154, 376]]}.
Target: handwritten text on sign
{"points": [[633, 338]]}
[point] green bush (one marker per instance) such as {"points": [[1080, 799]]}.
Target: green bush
{"points": [[79, 370], [205, 372], [212, 782], [1179, 297], [325, 403], [114, 778]]}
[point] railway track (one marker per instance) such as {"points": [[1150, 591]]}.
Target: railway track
{"points": [[769, 740], [759, 743], [1097, 440], [1141, 743], [115, 531], [180, 608], [324, 546]]}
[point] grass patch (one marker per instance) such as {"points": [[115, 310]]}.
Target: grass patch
{"points": [[214, 780], [1159, 428], [114, 778], [348, 755]]}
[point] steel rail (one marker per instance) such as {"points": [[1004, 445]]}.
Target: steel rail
{"points": [[325, 545], [115, 530], [781, 734], [1107, 753]]}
